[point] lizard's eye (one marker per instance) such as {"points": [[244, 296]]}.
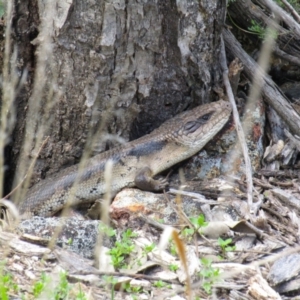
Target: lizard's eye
{"points": [[205, 117], [192, 126]]}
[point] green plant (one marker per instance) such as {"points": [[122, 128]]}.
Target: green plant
{"points": [[188, 232], [149, 248], [199, 221], [261, 31], [7, 285], [107, 230], [208, 274], [39, 286], [128, 234], [111, 282], [225, 246], [122, 249], [173, 268], [172, 247], [81, 295], [257, 29], [160, 284], [63, 289], [132, 289]]}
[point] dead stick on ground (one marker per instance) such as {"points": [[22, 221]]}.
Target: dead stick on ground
{"points": [[282, 15], [293, 59], [292, 10], [270, 91]]}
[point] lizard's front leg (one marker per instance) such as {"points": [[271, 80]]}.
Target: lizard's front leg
{"points": [[144, 181]]}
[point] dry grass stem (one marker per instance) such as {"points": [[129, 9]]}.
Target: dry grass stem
{"points": [[239, 129]]}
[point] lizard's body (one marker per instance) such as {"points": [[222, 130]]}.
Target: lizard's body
{"points": [[134, 164]]}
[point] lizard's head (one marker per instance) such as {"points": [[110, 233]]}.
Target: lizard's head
{"points": [[199, 125]]}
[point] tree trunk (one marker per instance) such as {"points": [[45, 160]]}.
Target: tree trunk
{"points": [[100, 70]]}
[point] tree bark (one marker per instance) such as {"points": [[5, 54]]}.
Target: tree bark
{"points": [[113, 68]]}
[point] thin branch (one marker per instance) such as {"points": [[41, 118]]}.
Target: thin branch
{"points": [[292, 10], [291, 58], [282, 15], [270, 91], [238, 126], [123, 274]]}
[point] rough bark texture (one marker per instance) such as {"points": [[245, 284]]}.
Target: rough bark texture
{"points": [[118, 67], [24, 24]]}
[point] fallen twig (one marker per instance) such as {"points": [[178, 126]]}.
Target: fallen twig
{"points": [[271, 93]]}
